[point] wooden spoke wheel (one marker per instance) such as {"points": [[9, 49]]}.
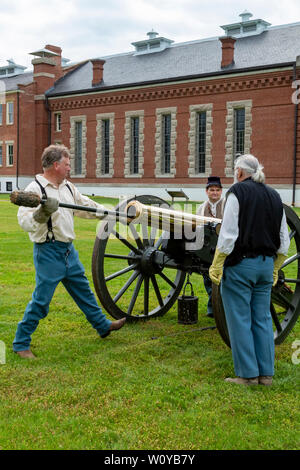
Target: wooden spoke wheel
{"points": [[130, 275], [285, 297]]}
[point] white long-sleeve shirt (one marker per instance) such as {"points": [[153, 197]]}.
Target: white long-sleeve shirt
{"points": [[62, 219], [230, 229]]}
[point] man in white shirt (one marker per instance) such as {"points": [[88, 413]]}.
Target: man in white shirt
{"points": [[51, 229], [213, 207], [252, 245]]}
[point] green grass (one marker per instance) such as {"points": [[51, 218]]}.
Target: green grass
{"points": [[128, 391]]}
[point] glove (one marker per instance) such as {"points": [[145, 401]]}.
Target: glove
{"points": [[216, 269], [100, 210], [277, 265], [43, 213]]}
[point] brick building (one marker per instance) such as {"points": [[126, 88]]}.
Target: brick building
{"points": [[163, 116]]}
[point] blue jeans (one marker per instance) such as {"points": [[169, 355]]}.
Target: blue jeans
{"points": [[208, 288], [246, 294], [55, 262]]}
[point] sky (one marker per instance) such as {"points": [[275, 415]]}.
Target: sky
{"points": [[87, 29]]}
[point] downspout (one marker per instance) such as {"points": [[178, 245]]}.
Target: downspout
{"points": [[295, 135], [18, 139]]}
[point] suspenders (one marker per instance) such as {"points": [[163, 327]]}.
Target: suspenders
{"points": [[50, 234]]}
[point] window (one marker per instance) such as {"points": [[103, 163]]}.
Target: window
{"points": [[1, 155], [134, 145], [58, 122], [8, 186], [1, 114], [9, 154], [201, 142], [166, 144], [105, 146], [78, 148], [239, 131], [10, 112]]}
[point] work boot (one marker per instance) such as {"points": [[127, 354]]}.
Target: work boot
{"points": [[242, 381], [26, 354], [115, 325], [265, 380]]}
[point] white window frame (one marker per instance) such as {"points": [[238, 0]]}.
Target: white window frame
{"points": [[9, 115], [57, 122], [9, 143], [1, 161]]}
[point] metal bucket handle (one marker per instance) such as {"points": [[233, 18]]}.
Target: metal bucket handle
{"points": [[188, 282]]}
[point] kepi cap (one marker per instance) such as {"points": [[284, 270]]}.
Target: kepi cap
{"points": [[213, 181]]}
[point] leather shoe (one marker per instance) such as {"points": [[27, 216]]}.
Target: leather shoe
{"points": [[265, 380], [242, 381], [26, 354], [115, 325]]}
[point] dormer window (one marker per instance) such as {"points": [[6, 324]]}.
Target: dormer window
{"points": [[11, 68], [246, 27], [153, 44]]}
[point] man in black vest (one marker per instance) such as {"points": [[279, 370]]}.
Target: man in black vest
{"points": [[252, 245]]}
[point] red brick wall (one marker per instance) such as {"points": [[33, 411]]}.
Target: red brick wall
{"points": [[272, 125], [8, 132]]}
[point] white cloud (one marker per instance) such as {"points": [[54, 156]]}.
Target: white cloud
{"points": [[93, 28]]}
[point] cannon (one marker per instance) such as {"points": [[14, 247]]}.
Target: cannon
{"points": [[144, 250], [140, 276]]}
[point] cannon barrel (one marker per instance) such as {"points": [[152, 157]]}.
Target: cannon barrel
{"points": [[166, 219]]}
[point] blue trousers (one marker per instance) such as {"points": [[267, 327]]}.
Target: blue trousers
{"points": [[246, 294], [55, 262]]}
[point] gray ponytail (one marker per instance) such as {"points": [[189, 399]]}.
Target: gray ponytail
{"points": [[251, 165]]}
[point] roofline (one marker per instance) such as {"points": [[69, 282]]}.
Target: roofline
{"points": [[169, 80]]}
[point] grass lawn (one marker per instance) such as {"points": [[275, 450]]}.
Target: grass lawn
{"points": [[128, 391]]}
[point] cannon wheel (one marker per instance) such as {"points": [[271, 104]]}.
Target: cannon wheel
{"points": [[126, 280], [285, 297]]}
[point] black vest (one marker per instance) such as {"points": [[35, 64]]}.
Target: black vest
{"points": [[260, 215]]}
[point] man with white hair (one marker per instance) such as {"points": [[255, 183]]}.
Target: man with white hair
{"points": [[252, 245]]}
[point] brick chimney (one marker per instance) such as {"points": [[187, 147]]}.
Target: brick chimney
{"points": [[98, 65], [57, 50], [46, 67], [227, 50]]}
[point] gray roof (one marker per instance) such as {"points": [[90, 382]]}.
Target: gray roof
{"points": [[11, 83], [277, 45]]}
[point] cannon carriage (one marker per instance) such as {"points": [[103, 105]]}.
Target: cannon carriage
{"points": [[140, 263], [139, 268]]}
